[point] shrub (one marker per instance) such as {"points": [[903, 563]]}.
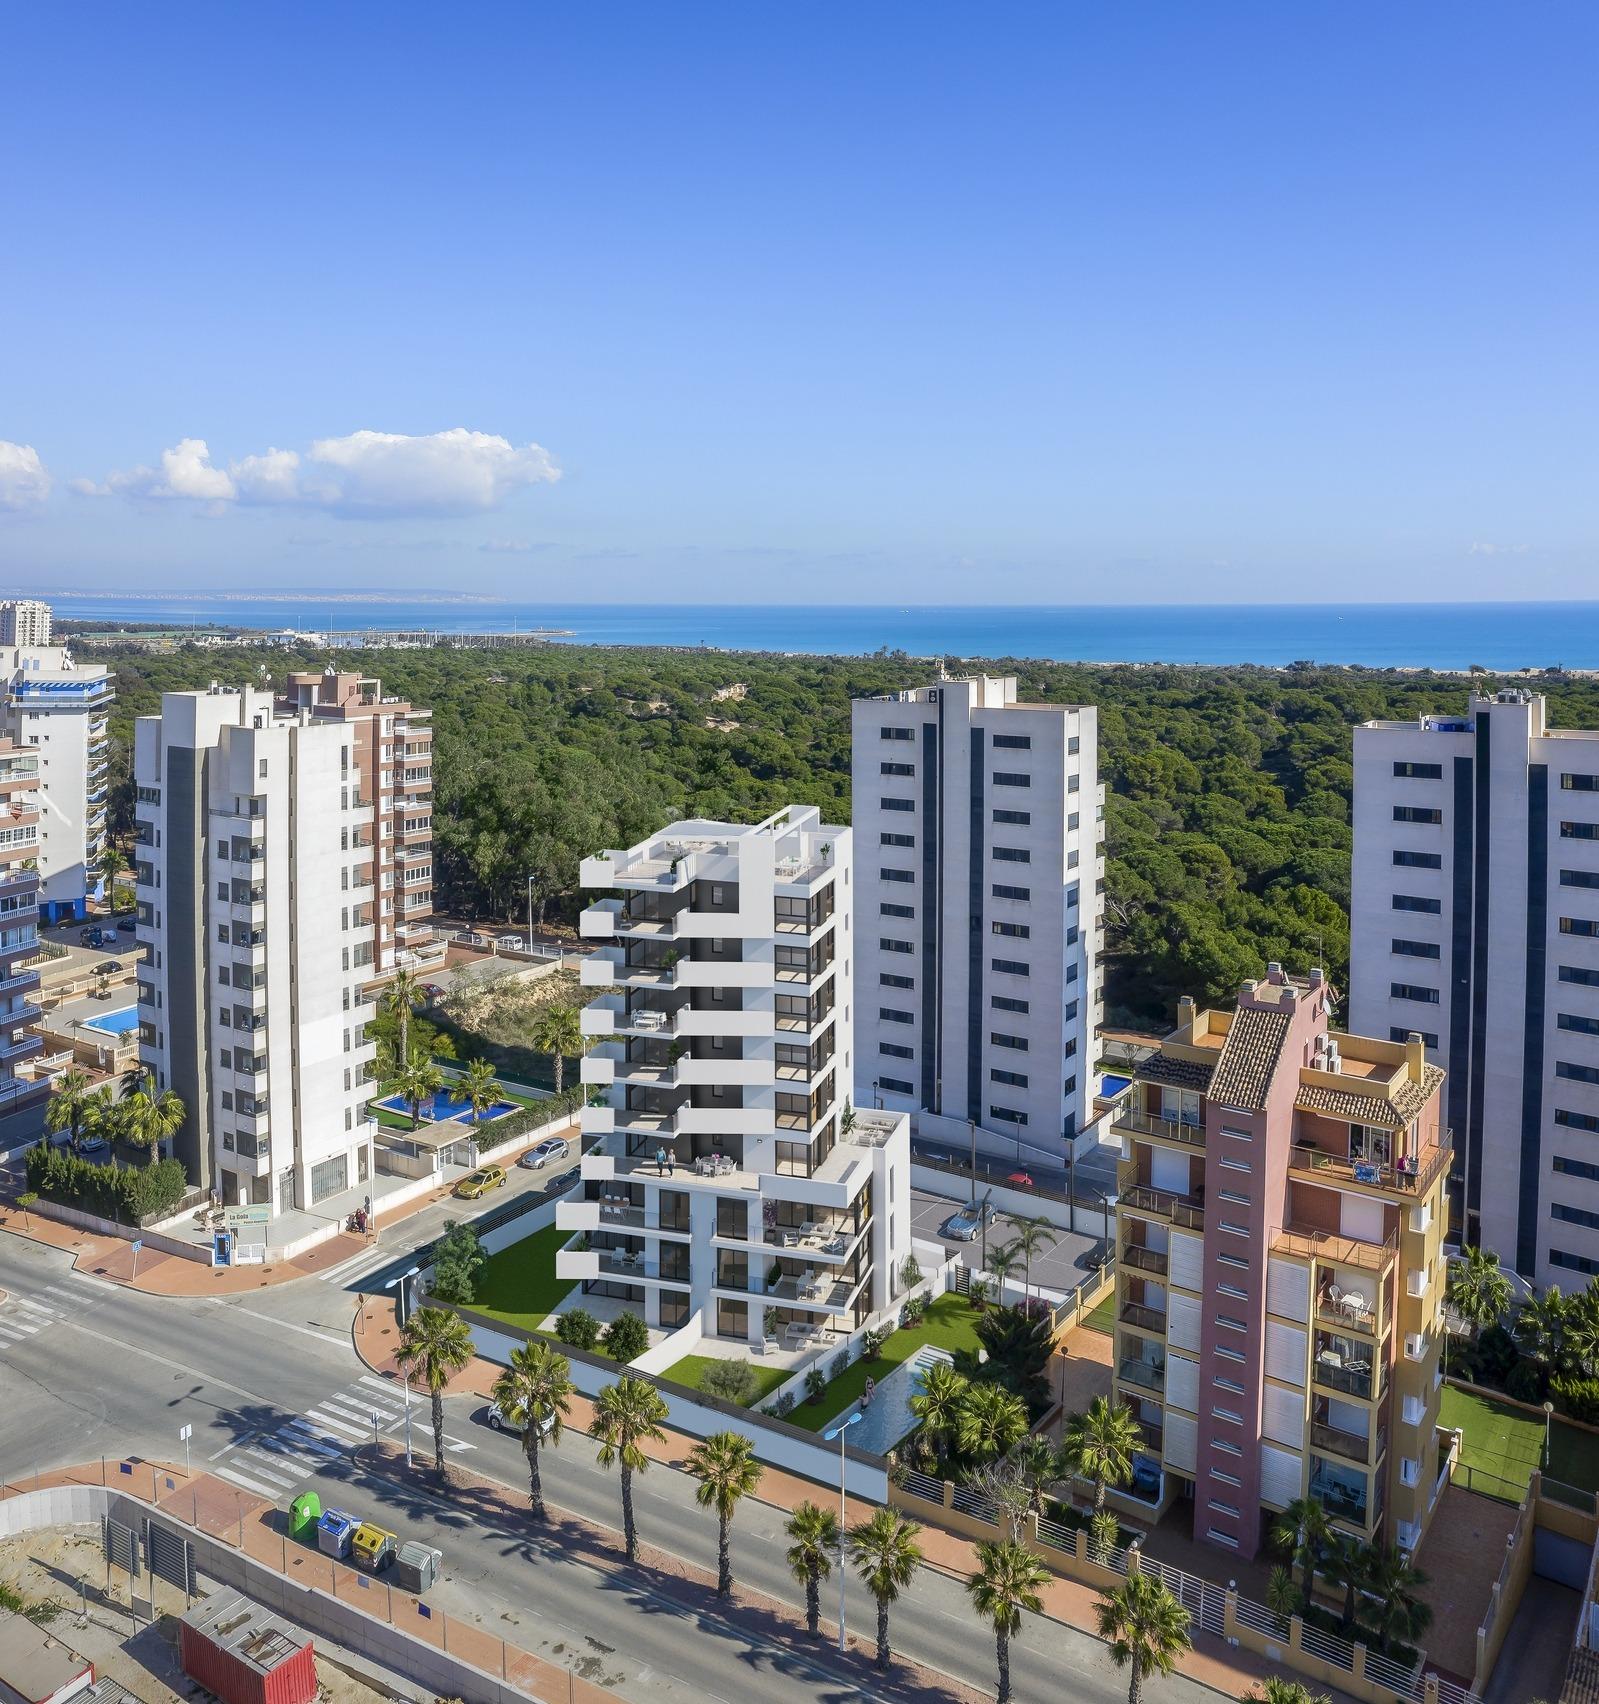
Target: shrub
{"points": [[783, 1403], [815, 1384], [128, 1194], [1103, 1531], [1525, 1383], [871, 1343], [912, 1316], [578, 1329], [626, 1337], [910, 1274], [458, 1257], [1496, 1354], [732, 1381], [1577, 1397], [839, 1362]]}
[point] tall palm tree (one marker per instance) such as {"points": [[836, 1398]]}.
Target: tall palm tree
{"points": [[1399, 1612], [557, 1030], [725, 1465], [479, 1088], [1005, 1586], [435, 1345], [1099, 1443], [1581, 1318], [1478, 1291], [627, 1415], [68, 1101], [112, 863], [104, 1114], [419, 1080], [1347, 1567], [815, 1532], [1306, 1533], [1540, 1327], [1038, 1465], [150, 1118], [886, 1556], [1283, 1597], [1145, 1627], [990, 1421], [1033, 1237], [400, 999], [534, 1392], [1003, 1262], [938, 1404]]}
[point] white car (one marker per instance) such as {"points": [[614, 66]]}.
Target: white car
{"points": [[499, 1421], [540, 1155]]}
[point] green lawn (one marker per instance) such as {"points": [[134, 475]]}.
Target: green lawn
{"points": [[1102, 1316], [1501, 1442], [692, 1368], [950, 1323], [519, 1286]]}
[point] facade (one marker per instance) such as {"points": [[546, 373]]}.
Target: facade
{"points": [[24, 621], [394, 760], [256, 896], [978, 835], [1280, 1221], [58, 707], [726, 1172], [21, 1102], [1475, 922]]}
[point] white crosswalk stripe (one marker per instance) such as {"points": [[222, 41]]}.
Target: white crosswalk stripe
{"points": [[357, 1266], [249, 1484], [266, 1467], [12, 1336], [338, 1422]]}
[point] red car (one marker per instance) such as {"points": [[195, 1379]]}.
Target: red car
{"points": [[1020, 1179]]}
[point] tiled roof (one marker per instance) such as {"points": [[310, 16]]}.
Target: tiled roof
{"points": [[1396, 1113], [1249, 1058], [1174, 1073], [1582, 1678]]}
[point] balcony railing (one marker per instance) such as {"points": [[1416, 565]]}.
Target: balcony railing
{"points": [[1307, 1242], [1142, 1373], [1142, 1259], [1338, 1498], [1185, 1210], [1352, 1445], [1348, 1381], [1345, 1317], [1145, 1318], [1172, 1129], [1412, 1177]]}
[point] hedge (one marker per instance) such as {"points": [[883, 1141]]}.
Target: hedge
{"points": [[128, 1194]]}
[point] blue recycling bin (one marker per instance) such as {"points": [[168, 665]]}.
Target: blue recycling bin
{"points": [[334, 1532]]}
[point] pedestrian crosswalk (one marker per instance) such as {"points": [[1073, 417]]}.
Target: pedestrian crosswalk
{"points": [[23, 1317], [272, 1464], [349, 1273]]}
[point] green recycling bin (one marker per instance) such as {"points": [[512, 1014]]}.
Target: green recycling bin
{"points": [[304, 1513]]}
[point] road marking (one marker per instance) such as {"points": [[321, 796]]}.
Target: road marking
{"points": [[249, 1484], [382, 1384], [350, 1405], [322, 1334], [12, 1335], [338, 1421], [307, 1437], [306, 1462], [123, 1346], [33, 1307], [360, 1266], [257, 1465]]}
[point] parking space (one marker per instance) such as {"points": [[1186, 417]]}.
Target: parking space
{"points": [[1060, 1268]]}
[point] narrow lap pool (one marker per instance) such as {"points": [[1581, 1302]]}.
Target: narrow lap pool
{"points": [[889, 1417]]}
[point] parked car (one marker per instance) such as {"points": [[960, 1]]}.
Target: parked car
{"points": [[95, 1148], [541, 1153], [107, 967], [964, 1225], [497, 1420], [562, 1181], [480, 1182], [432, 990], [1021, 1179]]}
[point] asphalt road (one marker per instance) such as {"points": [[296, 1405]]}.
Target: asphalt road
{"points": [[278, 1400]]}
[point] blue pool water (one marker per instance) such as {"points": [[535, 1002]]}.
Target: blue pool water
{"points": [[446, 1105], [890, 1418], [1112, 1085], [115, 1023]]}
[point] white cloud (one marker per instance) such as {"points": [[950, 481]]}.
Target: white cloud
{"points": [[366, 473], [24, 479], [1482, 547]]}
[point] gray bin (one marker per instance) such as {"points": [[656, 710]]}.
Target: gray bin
{"points": [[417, 1566]]}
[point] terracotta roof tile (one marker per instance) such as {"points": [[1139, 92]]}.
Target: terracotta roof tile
{"points": [[1395, 1114], [1249, 1058], [1174, 1073]]}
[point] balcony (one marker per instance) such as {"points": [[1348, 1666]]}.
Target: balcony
{"points": [[1309, 1242], [1411, 1176], [1349, 1377], [1346, 1313], [1137, 1258], [1351, 1445], [1166, 1129], [1341, 1493], [1188, 1211], [1143, 1318], [1145, 1374]]}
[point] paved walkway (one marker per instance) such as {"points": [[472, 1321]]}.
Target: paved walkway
{"points": [[1461, 1555]]}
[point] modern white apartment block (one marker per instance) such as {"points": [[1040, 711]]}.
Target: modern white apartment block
{"points": [[726, 1172], [256, 896], [1475, 921], [57, 707], [25, 621], [21, 1101], [978, 836]]}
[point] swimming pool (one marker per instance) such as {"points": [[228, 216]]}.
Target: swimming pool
{"points": [[1110, 1085], [889, 1418], [115, 1023], [445, 1106]]}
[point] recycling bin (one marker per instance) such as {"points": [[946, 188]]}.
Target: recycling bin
{"points": [[372, 1548], [304, 1513], [334, 1532], [417, 1566]]}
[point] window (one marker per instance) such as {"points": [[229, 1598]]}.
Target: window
{"points": [[899, 804], [1013, 1079], [1573, 1215], [896, 1085], [1418, 860], [1579, 783], [1576, 1120], [1234, 1260], [889, 945], [892, 1015], [1002, 890], [1413, 991], [1418, 949], [1016, 931], [1012, 855], [896, 733], [1398, 1032], [891, 875], [1579, 1025], [1004, 1115], [1070, 1050], [1572, 1262], [1576, 1073], [893, 1050], [896, 839], [1070, 1011], [1420, 771], [884, 909], [1579, 926], [999, 1039], [1019, 818], [1576, 973], [888, 981], [1576, 1168], [1416, 813], [329, 1178], [1073, 745], [1074, 783], [1012, 742], [1003, 1003], [1069, 1087], [1579, 831], [897, 768], [1011, 778], [1009, 967], [1414, 902]]}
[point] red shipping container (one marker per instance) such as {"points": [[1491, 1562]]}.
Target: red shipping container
{"points": [[245, 1654]]}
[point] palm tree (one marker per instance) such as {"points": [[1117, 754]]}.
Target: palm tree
{"points": [[1099, 1445], [149, 1118], [534, 1392], [400, 999], [1478, 1291], [1395, 1582], [1005, 1586], [991, 1420], [1279, 1691], [1145, 1626], [1003, 1260], [627, 1415], [112, 864], [67, 1105], [479, 1088], [1306, 1532], [436, 1345], [1033, 1236], [1283, 1597], [418, 1081], [725, 1465], [104, 1115], [815, 1532], [1540, 1327], [886, 1555], [1346, 1566], [1581, 1320], [938, 1404], [1038, 1466], [558, 1031]]}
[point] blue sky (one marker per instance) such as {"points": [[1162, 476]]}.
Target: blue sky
{"points": [[824, 303]]}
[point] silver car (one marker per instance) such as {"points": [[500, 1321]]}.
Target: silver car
{"points": [[500, 1421], [540, 1155]]}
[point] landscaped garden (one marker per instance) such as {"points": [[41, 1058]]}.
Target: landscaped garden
{"points": [[759, 1381], [518, 1285], [1501, 1442]]}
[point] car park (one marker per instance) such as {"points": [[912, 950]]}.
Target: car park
{"points": [[542, 1153], [480, 1182], [965, 1224]]}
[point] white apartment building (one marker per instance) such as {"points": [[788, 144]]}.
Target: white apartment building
{"points": [[255, 893], [57, 707], [24, 621], [979, 851], [726, 1173], [1475, 922]]}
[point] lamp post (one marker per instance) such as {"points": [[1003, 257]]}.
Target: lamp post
{"points": [[838, 1432], [1548, 1420], [971, 1125], [402, 1281], [530, 909]]}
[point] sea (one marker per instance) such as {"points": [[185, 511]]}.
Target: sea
{"points": [[1501, 637]]}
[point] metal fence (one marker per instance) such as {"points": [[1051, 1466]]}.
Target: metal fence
{"points": [[923, 1485]]}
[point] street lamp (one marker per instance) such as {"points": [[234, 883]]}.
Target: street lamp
{"points": [[1548, 1418], [530, 909], [402, 1281], [838, 1432]]}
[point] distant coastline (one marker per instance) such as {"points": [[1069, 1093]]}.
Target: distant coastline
{"points": [[1445, 638]]}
